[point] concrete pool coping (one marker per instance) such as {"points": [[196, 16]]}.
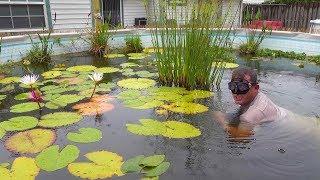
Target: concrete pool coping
{"points": [[8, 39]]}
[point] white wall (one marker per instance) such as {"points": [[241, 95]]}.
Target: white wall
{"points": [[72, 15], [132, 9]]}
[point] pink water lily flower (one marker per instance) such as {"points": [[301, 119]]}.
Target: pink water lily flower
{"points": [[35, 96]]}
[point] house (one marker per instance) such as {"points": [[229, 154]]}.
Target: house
{"points": [[76, 15]]}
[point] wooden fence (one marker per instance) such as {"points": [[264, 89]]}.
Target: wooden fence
{"points": [[295, 17]]}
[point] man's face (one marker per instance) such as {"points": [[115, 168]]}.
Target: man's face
{"points": [[246, 99]]}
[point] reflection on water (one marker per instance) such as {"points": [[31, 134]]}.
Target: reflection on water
{"points": [[284, 149]]}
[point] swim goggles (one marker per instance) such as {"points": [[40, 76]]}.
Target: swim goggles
{"points": [[239, 87]]}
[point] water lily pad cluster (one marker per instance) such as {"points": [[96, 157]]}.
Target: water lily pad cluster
{"points": [[177, 100], [150, 167], [170, 129]]}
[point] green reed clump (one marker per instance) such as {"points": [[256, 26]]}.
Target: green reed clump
{"points": [[254, 36], [99, 38], [190, 50], [254, 39], [41, 50], [133, 44]]}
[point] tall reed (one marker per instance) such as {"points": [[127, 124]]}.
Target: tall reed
{"points": [[191, 46]]}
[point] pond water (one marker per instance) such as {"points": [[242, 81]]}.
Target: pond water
{"points": [[287, 148]]}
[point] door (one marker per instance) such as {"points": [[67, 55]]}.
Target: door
{"points": [[112, 12]]}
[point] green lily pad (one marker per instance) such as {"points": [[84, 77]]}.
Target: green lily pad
{"points": [[51, 159], [2, 97], [226, 65], [176, 129], [22, 168], [196, 94], [2, 133], [49, 87], [137, 57], [150, 178], [145, 74], [24, 107], [107, 70], [136, 54], [129, 94], [19, 123], [143, 103], [22, 96], [85, 135], [9, 80], [127, 65], [167, 96], [59, 119], [112, 56], [157, 171], [63, 101], [82, 68], [132, 165], [31, 141], [7, 88], [171, 129], [148, 127], [51, 74], [104, 165], [152, 161], [186, 108], [136, 83]]}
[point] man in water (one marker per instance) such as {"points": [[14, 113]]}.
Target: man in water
{"points": [[255, 107]]}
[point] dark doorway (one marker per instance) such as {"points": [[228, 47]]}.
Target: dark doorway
{"points": [[112, 12]]}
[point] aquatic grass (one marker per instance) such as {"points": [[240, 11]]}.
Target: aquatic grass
{"points": [[133, 44], [41, 50], [190, 48], [98, 39]]}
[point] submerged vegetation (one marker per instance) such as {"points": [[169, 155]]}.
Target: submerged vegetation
{"points": [[190, 48]]}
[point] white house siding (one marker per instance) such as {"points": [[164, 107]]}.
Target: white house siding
{"points": [[132, 9], [230, 8], [71, 15], [233, 10]]}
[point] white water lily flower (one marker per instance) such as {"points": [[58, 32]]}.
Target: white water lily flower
{"points": [[96, 76], [29, 79]]}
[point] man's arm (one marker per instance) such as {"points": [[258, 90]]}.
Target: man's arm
{"points": [[243, 129]]}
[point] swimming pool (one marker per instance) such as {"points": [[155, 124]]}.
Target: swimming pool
{"points": [[14, 48]]}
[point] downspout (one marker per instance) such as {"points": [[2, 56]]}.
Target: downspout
{"points": [[49, 17]]}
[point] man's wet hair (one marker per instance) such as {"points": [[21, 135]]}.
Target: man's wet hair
{"points": [[239, 74]]}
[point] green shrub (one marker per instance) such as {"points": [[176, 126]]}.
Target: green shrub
{"points": [[133, 44]]}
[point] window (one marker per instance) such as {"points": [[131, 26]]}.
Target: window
{"points": [[15, 14]]}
